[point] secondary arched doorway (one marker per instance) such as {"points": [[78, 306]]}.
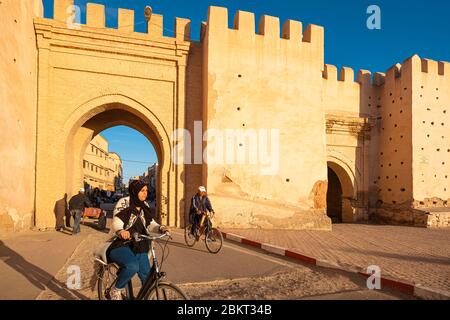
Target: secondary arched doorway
{"points": [[340, 193]]}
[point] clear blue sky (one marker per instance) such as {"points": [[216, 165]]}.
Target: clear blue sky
{"points": [[407, 28], [136, 151]]}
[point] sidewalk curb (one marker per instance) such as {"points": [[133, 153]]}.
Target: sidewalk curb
{"points": [[417, 290]]}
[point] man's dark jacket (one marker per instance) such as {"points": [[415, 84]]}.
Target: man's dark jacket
{"points": [[199, 203], [79, 202]]}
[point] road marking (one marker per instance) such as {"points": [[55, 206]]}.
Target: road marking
{"points": [[250, 252]]}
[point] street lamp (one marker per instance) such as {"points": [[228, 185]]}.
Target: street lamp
{"points": [[148, 13]]}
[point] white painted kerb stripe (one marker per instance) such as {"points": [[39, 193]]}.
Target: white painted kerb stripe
{"points": [[274, 249], [234, 237]]}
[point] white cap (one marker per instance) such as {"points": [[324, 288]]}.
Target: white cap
{"points": [[202, 189], [82, 190]]}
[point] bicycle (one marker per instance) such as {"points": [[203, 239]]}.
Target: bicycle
{"points": [[152, 289], [213, 237]]}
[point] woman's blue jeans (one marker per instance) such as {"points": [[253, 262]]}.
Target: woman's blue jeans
{"points": [[130, 264]]}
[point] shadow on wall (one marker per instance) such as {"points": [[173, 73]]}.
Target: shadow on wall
{"points": [[35, 275]]}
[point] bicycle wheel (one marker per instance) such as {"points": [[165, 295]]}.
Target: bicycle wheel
{"points": [[167, 291], [189, 238], [106, 280], [214, 240]]}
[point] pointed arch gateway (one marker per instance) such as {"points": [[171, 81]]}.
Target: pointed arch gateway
{"points": [[84, 123], [341, 191]]}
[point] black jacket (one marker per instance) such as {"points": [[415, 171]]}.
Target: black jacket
{"points": [[129, 220], [79, 202], [198, 203]]}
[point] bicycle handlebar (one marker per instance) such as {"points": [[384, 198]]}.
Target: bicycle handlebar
{"points": [[137, 236]]}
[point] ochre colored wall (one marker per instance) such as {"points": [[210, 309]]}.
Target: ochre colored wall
{"points": [[18, 56], [431, 132], [261, 81], [369, 131]]}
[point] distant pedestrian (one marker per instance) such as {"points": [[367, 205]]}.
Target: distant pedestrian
{"points": [[76, 205], [61, 210]]}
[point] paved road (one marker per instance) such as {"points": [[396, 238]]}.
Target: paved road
{"points": [[29, 260], [237, 272]]}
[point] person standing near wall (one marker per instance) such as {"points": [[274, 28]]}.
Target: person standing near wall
{"points": [[61, 211]]}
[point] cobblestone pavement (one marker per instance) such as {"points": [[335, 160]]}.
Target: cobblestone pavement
{"points": [[416, 255], [223, 278]]}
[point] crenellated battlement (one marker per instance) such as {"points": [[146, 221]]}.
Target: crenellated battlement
{"points": [[412, 65], [346, 74], [268, 26], [441, 68], [96, 18]]}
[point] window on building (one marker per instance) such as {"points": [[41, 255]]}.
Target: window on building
{"points": [[92, 148], [92, 167]]}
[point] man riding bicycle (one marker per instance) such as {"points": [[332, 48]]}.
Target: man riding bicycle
{"points": [[200, 205], [131, 256]]}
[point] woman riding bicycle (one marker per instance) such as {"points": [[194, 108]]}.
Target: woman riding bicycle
{"points": [[132, 256]]}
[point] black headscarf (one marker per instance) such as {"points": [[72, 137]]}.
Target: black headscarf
{"points": [[134, 188]]}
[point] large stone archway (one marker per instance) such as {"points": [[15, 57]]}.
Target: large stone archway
{"points": [[91, 79], [121, 112], [63, 167]]}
